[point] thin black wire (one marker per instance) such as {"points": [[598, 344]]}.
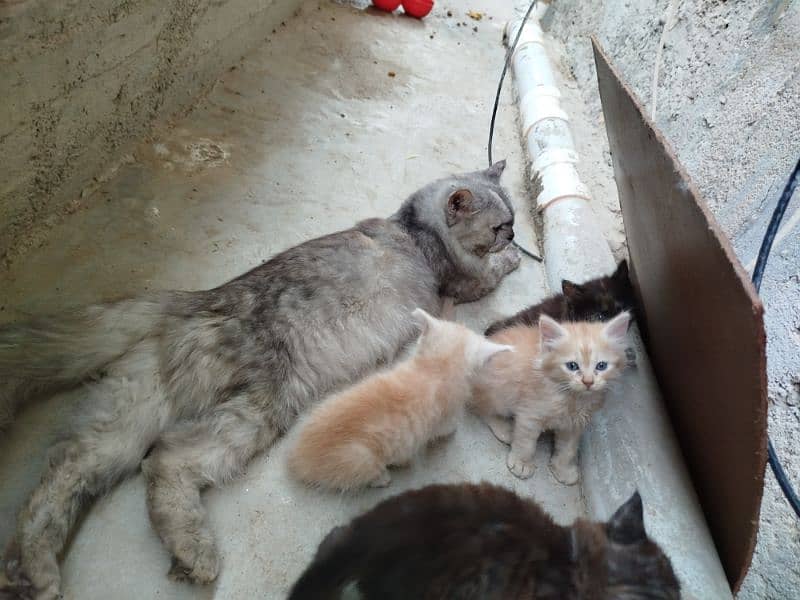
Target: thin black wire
{"points": [[758, 273], [509, 54]]}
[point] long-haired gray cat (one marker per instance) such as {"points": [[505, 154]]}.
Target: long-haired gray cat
{"points": [[205, 380]]}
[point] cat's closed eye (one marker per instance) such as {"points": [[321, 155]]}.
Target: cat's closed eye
{"points": [[601, 366], [572, 366]]}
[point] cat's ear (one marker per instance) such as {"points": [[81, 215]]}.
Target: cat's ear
{"points": [[460, 205], [496, 170], [425, 321], [571, 289], [621, 274], [550, 332], [626, 526], [488, 349], [617, 328]]}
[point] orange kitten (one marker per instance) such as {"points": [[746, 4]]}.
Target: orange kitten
{"points": [[556, 378], [350, 439]]}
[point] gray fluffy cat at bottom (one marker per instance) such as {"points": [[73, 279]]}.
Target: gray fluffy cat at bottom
{"points": [[202, 381]]}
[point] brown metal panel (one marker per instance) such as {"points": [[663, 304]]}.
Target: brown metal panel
{"points": [[702, 321]]}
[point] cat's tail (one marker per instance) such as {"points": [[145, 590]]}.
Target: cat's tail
{"points": [[322, 457], [337, 563], [57, 351]]}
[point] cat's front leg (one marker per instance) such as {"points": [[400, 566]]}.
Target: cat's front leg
{"points": [[498, 265], [564, 463], [523, 447]]}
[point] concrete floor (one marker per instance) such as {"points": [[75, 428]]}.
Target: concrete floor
{"points": [[304, 136]]}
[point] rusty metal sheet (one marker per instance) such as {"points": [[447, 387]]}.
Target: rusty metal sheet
{"points": [[702, 322]]}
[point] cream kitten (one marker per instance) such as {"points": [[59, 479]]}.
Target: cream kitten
{"points": [[350, 439], [556, 378]]}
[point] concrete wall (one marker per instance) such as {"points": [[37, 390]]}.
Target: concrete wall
{"points": [[729, 103], [80, 80]]}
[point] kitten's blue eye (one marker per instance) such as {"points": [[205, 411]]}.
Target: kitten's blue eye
{"points": [[572, 365], [601, 366]]}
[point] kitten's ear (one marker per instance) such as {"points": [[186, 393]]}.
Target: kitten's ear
{"points": [[460, 205], [550, 332], [496, 170], [621, 274], [425, 321], [617, 328], [626, 526], [570, 289], [488, 349]]}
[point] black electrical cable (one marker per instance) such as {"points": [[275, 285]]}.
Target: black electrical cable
{"points": [[758, 274], [509, 54]]}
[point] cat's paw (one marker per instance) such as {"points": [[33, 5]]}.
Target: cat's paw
{"points": [[17, 582], [519, 466], [511, 258], [204, 568], [382, 480], [18, 591], [16, 586], [566, 474]]}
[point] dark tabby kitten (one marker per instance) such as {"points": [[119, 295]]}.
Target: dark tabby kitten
{"points": [[596, 300], [482, 541]]}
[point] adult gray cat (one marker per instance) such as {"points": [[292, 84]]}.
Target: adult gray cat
{"points": [[205, 380]]}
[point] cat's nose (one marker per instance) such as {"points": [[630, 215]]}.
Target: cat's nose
{"points": [[511, 235], [587, 381]]}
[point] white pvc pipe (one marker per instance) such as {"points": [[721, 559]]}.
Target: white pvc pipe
{"points": [[630, 445], [575, 246]]}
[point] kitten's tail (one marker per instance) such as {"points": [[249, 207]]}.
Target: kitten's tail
{"points": [[56, 351], [337, 563], [320, 459]]}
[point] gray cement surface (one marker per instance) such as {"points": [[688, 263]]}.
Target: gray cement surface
{"points": [[80, 82], [728, 100], [337, 117]]}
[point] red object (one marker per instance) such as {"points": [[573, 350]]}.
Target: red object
{"points": [[417, 8], [387, 5]]}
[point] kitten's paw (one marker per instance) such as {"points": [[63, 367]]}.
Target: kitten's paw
{"points": [[382, 480], [204, 568], [520, 467], [566, 474]]}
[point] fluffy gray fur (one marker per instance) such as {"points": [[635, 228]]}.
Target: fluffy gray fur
{"points": [[205, 380]]}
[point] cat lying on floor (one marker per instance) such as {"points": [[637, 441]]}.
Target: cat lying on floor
{"points": [[205, 380], [483, 542]]}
